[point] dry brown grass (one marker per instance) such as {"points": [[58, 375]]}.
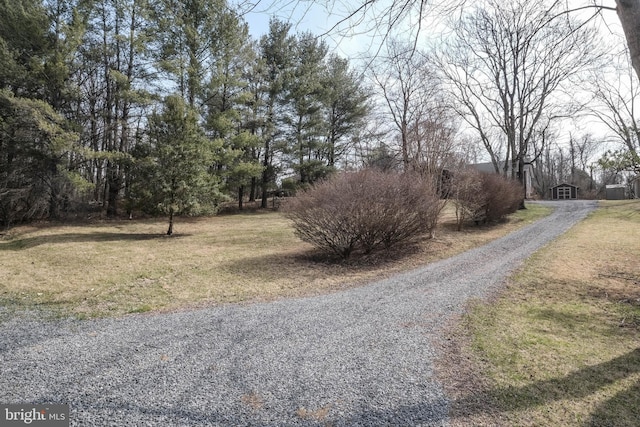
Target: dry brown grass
{"points": [[115, 267], [561, 345]]}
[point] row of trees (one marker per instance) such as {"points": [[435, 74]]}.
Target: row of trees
{"points": [[156, 103], [171, 106]]}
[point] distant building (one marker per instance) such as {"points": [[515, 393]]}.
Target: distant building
{"points": [[528, 174], [564, 191], [615, 192]]}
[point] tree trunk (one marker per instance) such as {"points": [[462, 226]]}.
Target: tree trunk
{"points": [[265, 174], [170, 230], [240, 196], [523, 182], [405, 148], [113, 194], [629, 14], [265, 195], [252, 191]]}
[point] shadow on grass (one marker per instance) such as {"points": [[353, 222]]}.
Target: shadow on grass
{"points": [[617, 203], [95, 237], [568, 320], [317, 259], [625, 405], [617, 411]]}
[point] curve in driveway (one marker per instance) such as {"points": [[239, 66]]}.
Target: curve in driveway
{"points": [[358, 357]]}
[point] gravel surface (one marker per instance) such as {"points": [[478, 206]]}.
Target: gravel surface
{"points": [[361, 357]]}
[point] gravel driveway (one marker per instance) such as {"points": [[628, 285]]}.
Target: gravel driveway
{"points": [[358, 357]]}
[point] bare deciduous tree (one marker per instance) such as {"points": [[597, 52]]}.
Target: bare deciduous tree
{"points": [[433, 142], [402, 79], [581, 150], [506, 67], [411, 93], [616, 102]]}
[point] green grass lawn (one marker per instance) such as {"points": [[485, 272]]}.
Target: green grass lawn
{"points": [[561, 345]]}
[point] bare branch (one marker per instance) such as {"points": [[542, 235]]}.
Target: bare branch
{"points": [[506, 67]]}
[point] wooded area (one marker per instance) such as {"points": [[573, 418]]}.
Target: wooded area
{"points": [[171, 107], [163, 106]]}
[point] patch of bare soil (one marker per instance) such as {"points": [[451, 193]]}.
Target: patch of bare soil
{"points": [[460, 373]]}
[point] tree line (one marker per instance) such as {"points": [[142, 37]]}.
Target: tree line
{"points": [[162, 106], [172, 107]]}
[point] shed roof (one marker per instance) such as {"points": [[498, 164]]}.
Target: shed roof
{"points": [[564, 184]]}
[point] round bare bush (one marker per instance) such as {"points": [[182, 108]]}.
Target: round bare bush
{"points": [[365, 211], [482, 197], [503, 196]]}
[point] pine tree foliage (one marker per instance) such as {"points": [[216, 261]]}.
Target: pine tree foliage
{"points": [[108, 75], [176, 167], [35, 145]]}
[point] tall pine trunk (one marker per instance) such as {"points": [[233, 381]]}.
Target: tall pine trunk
{"points": [[252, 191], [265, 176], [170, 230]]}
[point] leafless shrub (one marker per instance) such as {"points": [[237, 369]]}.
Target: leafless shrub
{"points": [[365, 211], [483, 197], [503, 196], [467, 195]]}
